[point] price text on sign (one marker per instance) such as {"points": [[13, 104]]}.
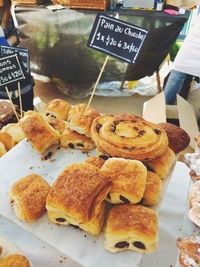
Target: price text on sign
{"points": [[23, 54], [117, 38], [10, 70]]}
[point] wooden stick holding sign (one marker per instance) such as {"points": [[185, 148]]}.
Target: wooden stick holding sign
{"points": [[13, 107], [20, 99], [98, 79]]}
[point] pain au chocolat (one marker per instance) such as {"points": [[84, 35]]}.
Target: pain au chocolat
{"points": [[128, 180], [58, 108], [128, 136], [131, 227], [77, 197]]}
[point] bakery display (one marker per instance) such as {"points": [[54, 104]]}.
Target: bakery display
{"points": [[131, 227], [178, 138], [129, 137], [58, 108], [27, 197], [77, 196], [192, 160], [189, 247], [152, 190], [81, 117], [161, 165], [14, 260], [128, 180], [39, 132]]}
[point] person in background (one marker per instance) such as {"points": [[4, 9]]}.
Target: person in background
{"points": [[187, 61], [11, 37]]}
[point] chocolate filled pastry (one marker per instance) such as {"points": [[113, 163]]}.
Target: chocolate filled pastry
{"points": [[192, 160], [77, 197], [162, 164], [178, 138], [128, 136], [58, 125], [128, 180], [72, 139], [14, 130], [2, 149], [152, 190], [58, 108], [98, 162], [14, 260], [194, 193], [39, 132], [189, 247], [80, 118], [131, 227], [27, 197]]}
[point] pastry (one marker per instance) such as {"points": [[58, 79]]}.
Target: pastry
{"points": [[37, 130], [14, 260], [128, 136], [152, 190], [194, 213], [162, 164], [72, 139], [132, 227], [80, 118], [58, 125], [58, 108], [178, 138], [102, 155], [77, 197], [27, 197], [194, 193], [2, 149], [192, 160], [98, 162], [14, 130], [7, 140], [189, 247], [128, 180], [197, 139]]}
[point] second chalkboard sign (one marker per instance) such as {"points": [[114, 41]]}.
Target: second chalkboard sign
{"points": [[10, 70], [117, 38]]}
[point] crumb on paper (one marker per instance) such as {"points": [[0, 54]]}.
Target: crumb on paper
{"points": [[30, 168]]}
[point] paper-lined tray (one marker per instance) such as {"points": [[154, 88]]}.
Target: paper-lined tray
{"points": [[84, 248]]}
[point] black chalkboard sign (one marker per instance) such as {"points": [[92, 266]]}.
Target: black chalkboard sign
{"points": [[10, 70], [23, 54], [117, 38]]}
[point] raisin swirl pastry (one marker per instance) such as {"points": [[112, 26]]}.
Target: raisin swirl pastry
{"points": [[131, 227], [129, 137]]}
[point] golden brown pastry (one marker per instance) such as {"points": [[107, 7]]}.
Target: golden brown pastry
{"points": [[192, 160], [128, 180], [152, 190], [73, 139], [189, 251], [2, 149], [178, 138], [58, 108], [197, 139], [28, 196], [14, 260], [194, 193], [77, 197], [37, 130], [80, 118], [162, 164], [194, 213], [7, 140], [132, 227], [98, 162], [129, 136], [58, 125], [14, 129]]}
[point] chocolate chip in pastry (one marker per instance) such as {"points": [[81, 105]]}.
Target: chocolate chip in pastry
{"points": [[128, 136], [152, 190], [72, 139], [128, 180], [178, 138], [57, 124], [131, 227], [192, 160], [80, 118], [102, 155], [27, 197], [189, 247], [39, 132], [58, 108], [14, 260], [162, 164], [77, 197]]}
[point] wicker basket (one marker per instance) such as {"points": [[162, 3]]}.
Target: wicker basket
{"points": [[28, 2], [89, 4]]}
